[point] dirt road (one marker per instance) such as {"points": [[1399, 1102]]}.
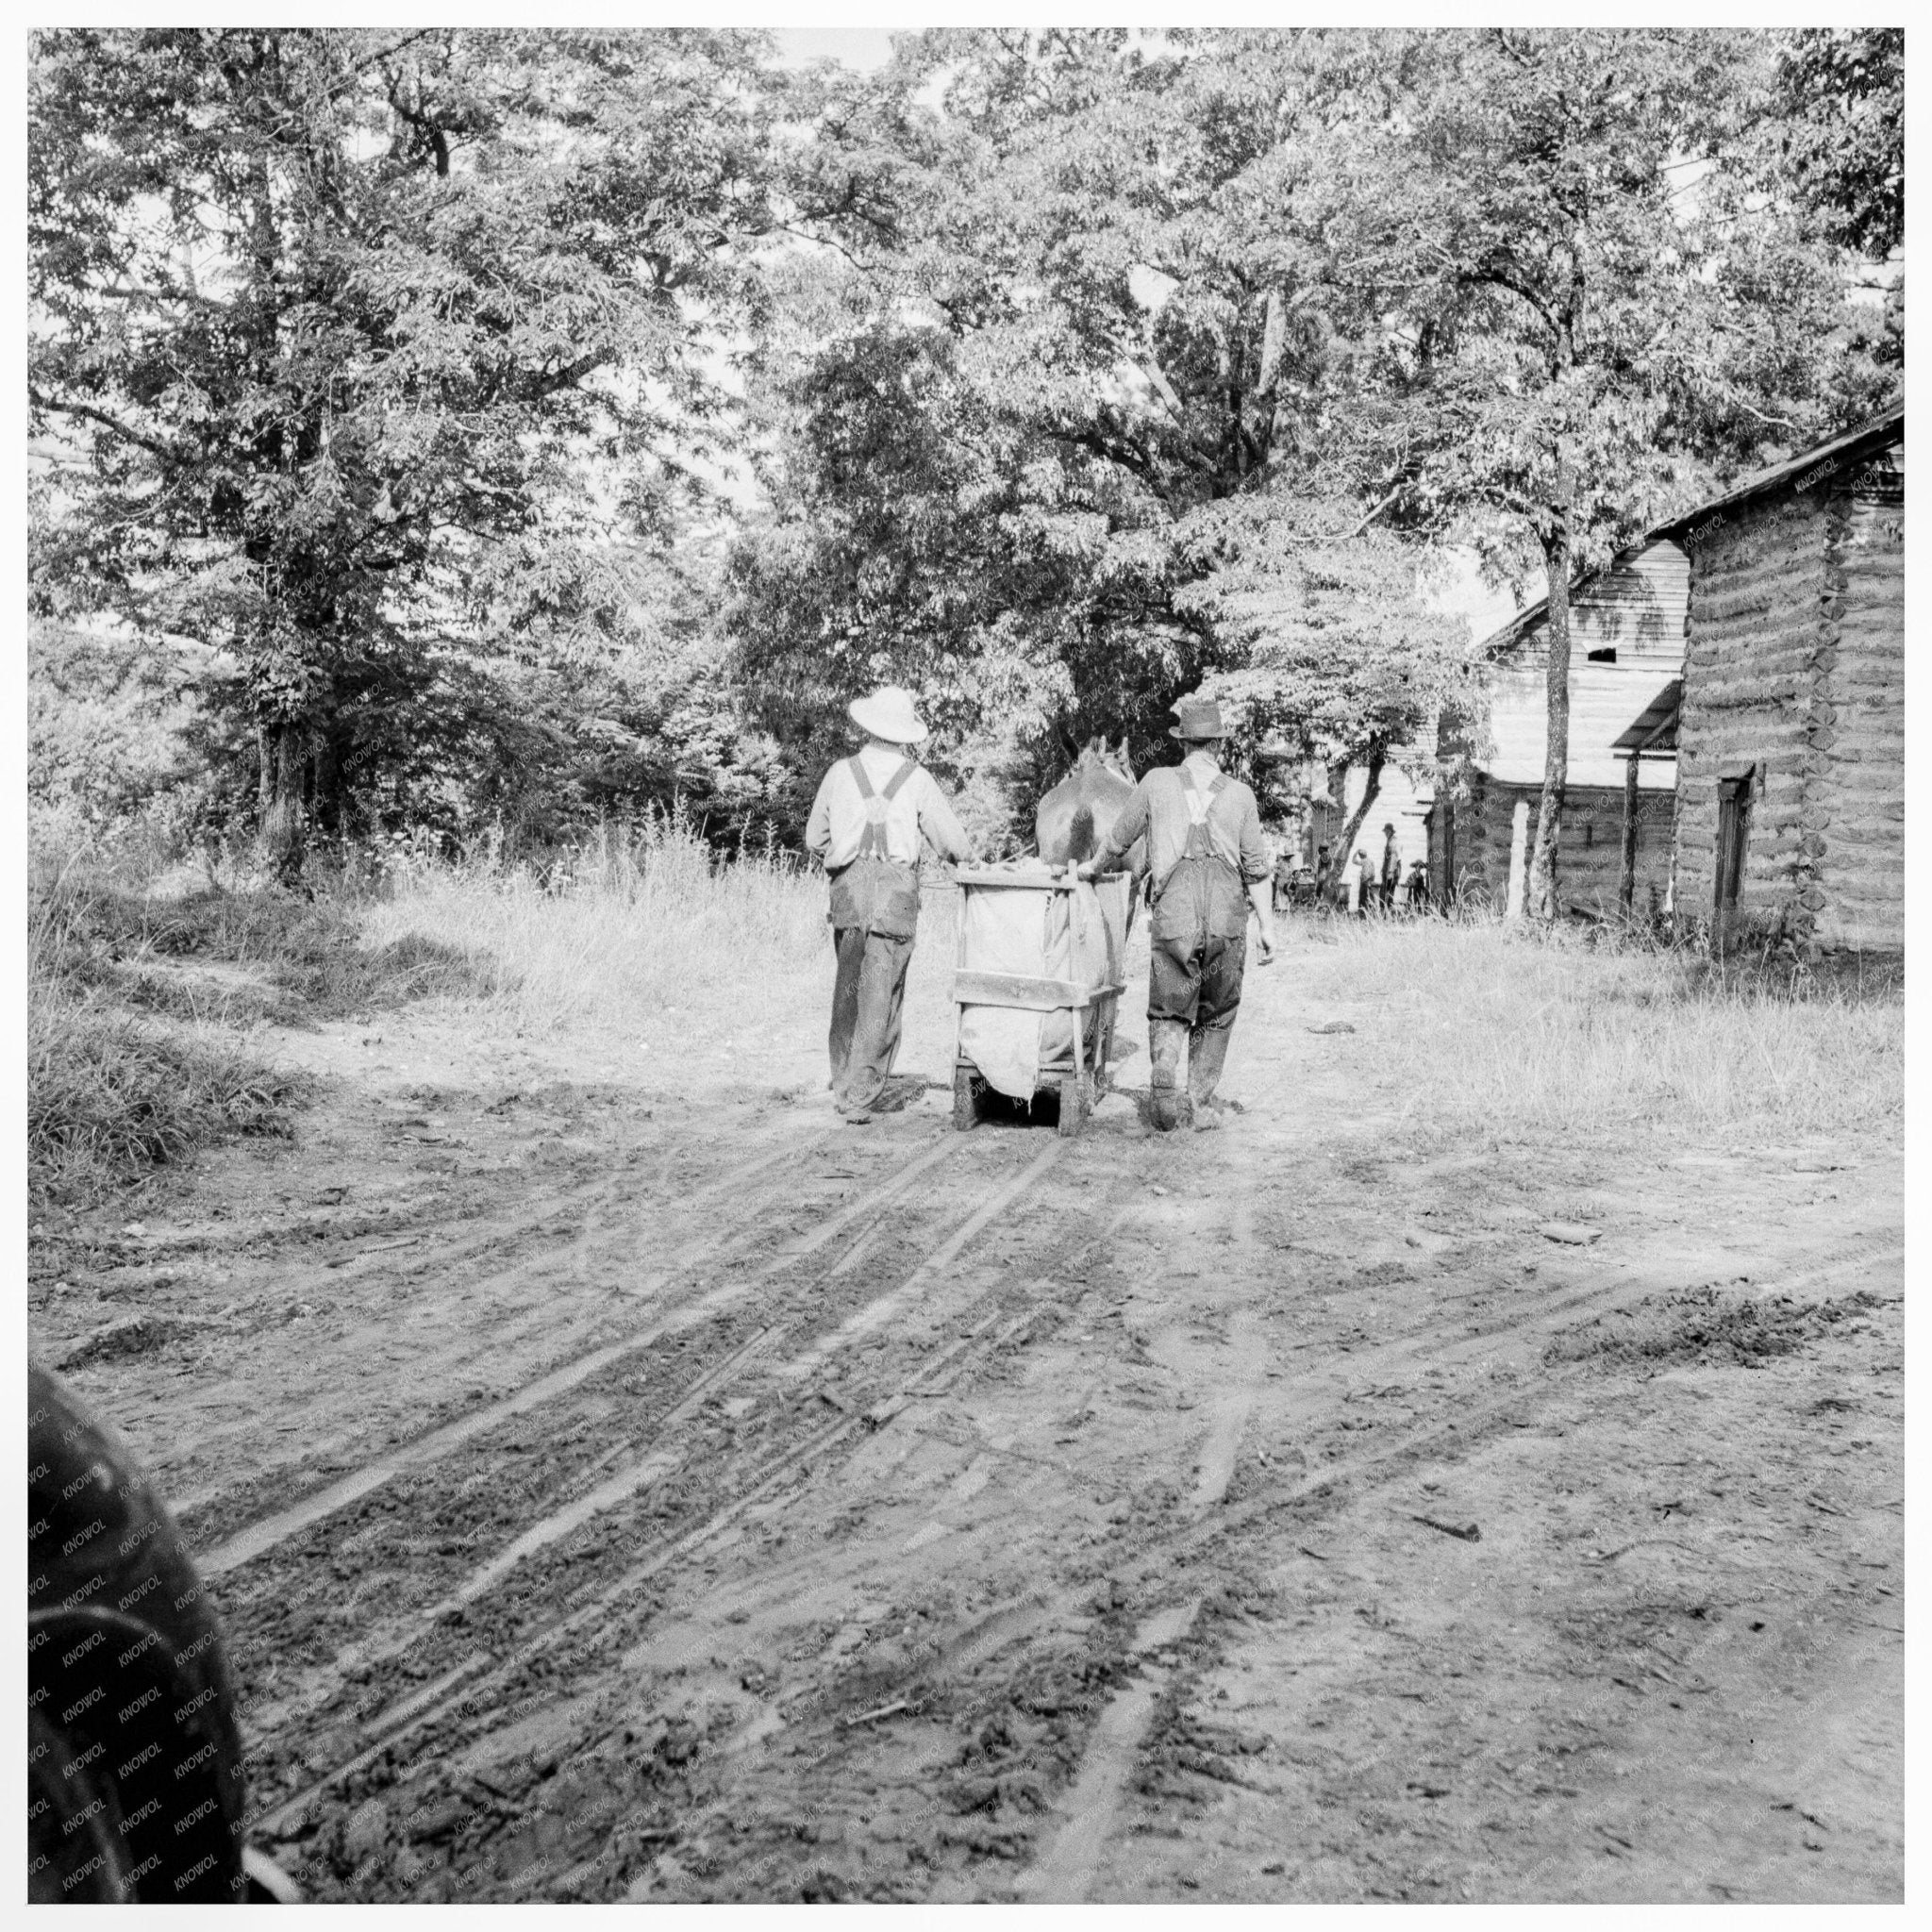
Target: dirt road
{"points": [[612, 1494]]}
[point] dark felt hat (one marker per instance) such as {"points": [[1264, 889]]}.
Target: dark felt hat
{"points": [[1199, 718]]}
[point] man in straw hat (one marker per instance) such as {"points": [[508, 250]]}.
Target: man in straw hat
{"points": [[865, 827], [1208, 864]]}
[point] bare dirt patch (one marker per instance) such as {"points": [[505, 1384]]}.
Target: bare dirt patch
{"points": [[621, 1480]]}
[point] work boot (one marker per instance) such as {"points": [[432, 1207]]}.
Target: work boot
{"points": [[1206, 1053], [1165, 1038]]}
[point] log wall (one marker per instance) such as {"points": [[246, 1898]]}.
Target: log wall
{"points": [[1589, 852], [1795, 671], [1855, 830]]}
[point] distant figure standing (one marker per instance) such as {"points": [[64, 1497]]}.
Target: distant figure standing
{"points": [[1210, 865], [1392, 868], [1285, 869], [865, 827], [1418, 886], [1365, 883]]}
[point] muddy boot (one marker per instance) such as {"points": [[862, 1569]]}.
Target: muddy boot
{"points": [[1164, 1040], [1206, 1053]]}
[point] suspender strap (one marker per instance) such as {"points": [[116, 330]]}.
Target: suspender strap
{"points": [[872, 841], [1198, 802]]}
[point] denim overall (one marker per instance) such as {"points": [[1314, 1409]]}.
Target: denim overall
{"points": [[1200, 943], [875, 916]]}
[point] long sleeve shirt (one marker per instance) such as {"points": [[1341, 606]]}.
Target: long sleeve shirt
{"points": [[838, 814], [1160, 809]]}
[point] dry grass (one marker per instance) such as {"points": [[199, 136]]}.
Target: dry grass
{"points": [[1482, 1028], [1498, 1028], [1489, 1029], [634, 923]]}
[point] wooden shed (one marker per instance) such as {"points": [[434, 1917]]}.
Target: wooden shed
{"points": [[1627, 646], [1790, 743]]}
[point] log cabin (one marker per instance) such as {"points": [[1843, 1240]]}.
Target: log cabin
{"points": [[1790, 733]]}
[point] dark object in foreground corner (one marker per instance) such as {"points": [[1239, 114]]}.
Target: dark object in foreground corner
{"points": [[134, 1762]]}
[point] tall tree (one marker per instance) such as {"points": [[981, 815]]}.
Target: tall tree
{"points": [[355, 345], [1082, 302]]}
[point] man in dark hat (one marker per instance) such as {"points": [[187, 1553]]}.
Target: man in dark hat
{"points": [[1208, 864], [1392, 868]]}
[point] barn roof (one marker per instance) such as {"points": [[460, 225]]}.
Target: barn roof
{"points": [[1879, 432], [1655, 728]]}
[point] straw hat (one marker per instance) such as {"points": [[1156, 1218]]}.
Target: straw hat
{"points": [[1200, 719], [887, 714]]}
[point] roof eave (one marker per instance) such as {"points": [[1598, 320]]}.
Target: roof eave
{"points": [[1868, 438]]}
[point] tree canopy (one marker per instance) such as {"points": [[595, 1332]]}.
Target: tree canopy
{"points": [[1064, 371], [369, 345]]}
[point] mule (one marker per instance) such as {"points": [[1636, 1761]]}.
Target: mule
{"points": [[1073, 819]]}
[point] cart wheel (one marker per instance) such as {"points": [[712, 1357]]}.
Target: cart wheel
{"points": [[1077, 1103], [965, 1099]]}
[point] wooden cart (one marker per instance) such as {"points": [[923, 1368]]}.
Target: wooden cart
{"points": [[1081, 1072]]}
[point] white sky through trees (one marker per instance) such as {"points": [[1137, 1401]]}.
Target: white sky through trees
{"points": [[860, 47]]}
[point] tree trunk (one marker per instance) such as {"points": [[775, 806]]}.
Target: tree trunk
{"points": [[1549, 819], [1378, 755], [281, 801]]}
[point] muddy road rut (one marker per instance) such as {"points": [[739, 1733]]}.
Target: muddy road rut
{"points": [[611, 1496]]}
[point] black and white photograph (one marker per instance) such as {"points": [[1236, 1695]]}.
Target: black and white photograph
{"points": [[965, 965]]}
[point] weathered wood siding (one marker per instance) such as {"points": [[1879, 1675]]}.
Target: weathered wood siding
{"points": [[1637, 610], [1795, 672]]}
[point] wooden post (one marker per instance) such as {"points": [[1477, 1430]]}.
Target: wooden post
{"points": [[1626, 881], [1519, 852]]}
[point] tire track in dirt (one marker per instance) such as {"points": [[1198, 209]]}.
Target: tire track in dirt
{"points": [[257, 1538], [574, 1322], [614, 1492], [453, 1692], [1151, 1564], [1065, 1870], [437, 1701], [588, 1258], [937, 1676], [949, 1653]]}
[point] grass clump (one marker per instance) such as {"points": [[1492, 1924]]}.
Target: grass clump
{"points": [[302, 959], [135, 1004], [109, 1096]]}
